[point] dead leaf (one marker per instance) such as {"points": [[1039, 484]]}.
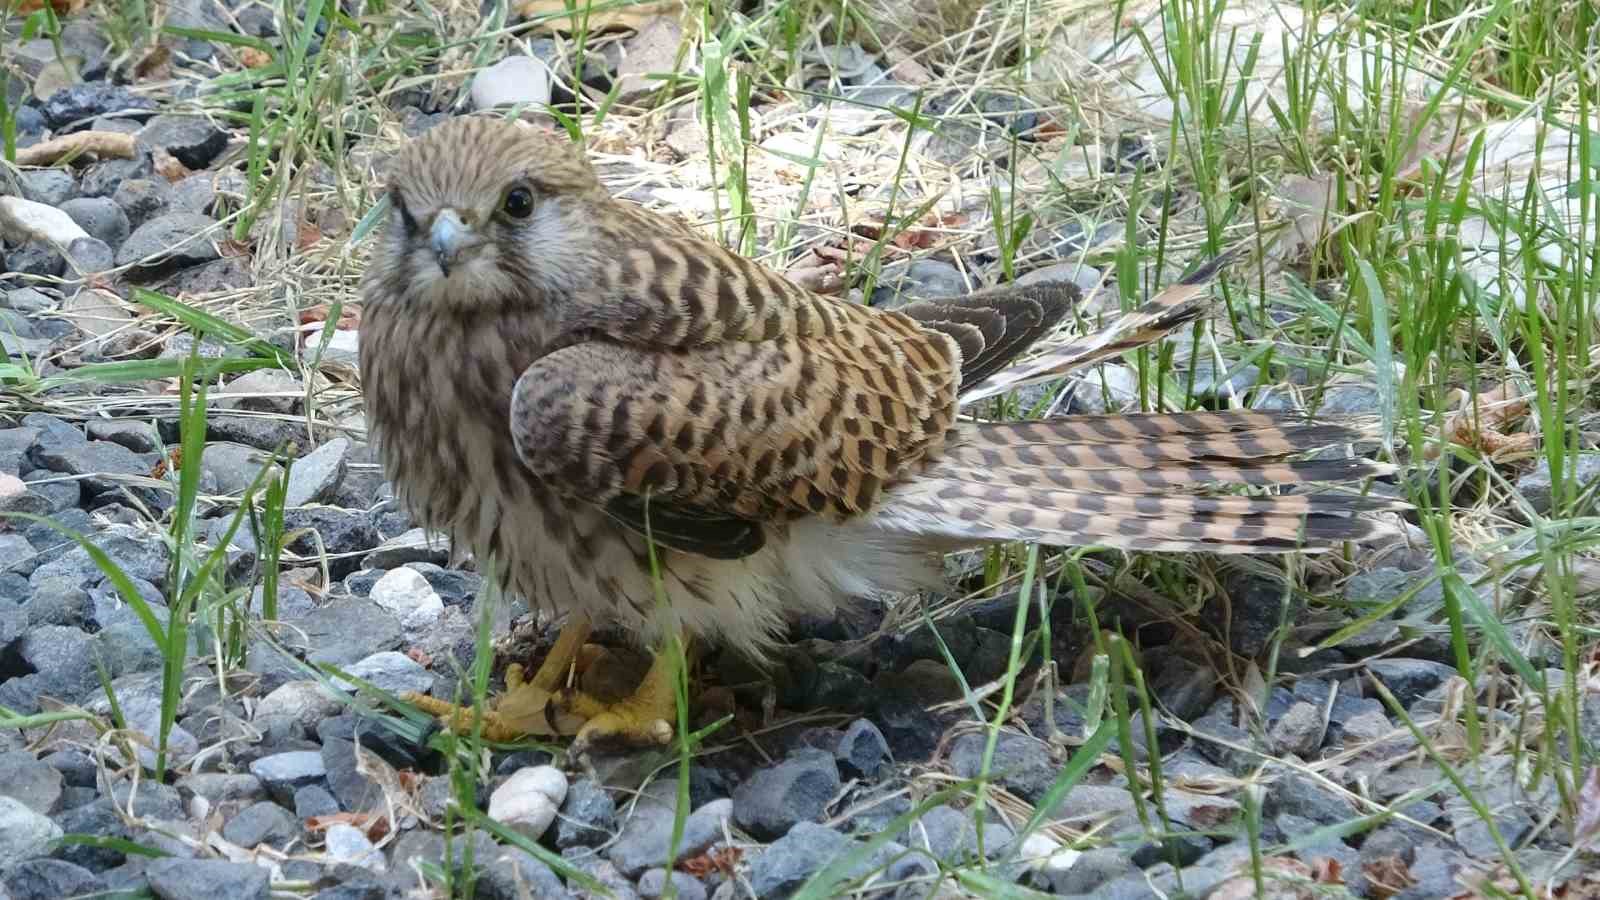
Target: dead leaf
{"points": [[252, 58], [925, 235], [1481, 423], [373, 825], [307, 236], [155, 65], [172, 462], [724, 859], [555, 15], [100, 144], [821, 270], [230, 247], [1387, 875], [349, 316], [169, 167], [1285, 879], [61, 7]]}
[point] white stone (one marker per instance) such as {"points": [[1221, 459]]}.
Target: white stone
{"points": [[37, 221], [514, 80], [1043, 853], [390, 671], [347, 844], [529, 799], [408, 595], [24, 833], [305, 701]]}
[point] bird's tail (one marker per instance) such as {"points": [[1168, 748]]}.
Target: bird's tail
{"points": [[1181, 302], [1139, 482]]}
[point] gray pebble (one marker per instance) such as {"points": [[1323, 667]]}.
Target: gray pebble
{"points": [[207, 879], [101, 217], [193, 140], [50, 879], [262, 823], [52, 187], [772, 800], [90, 255], [652, 884], [169, 242]]}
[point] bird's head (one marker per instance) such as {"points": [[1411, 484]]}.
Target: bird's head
{"points": [[487, 210]]}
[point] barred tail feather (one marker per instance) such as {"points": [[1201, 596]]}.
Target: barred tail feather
{"points": [[1168, 310], [1127, 482]]}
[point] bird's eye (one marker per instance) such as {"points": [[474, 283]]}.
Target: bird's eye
{"points": [[519, 203]]}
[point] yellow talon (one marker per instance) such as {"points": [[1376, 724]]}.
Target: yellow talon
{"points": [[544, 706]]}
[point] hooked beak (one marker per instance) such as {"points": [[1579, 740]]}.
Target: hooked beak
{"points": [[449, 236]]}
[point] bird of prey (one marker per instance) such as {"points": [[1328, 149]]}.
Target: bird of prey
{"points": [[551, 373]]}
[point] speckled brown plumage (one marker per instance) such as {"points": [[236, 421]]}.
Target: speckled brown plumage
{"points": [[546, 366]]}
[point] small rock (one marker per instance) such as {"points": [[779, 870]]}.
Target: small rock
{"points": [[95, 461], [262, 823], [772, 800], [391, 671], [142, 199], [529, 799], [207, 879], [345, 631], [52, 187], [1536, 487], [50, 879], [283, 773], [24, 833], [30, 781], [514, 874], [1022, 764], [647, 833], [196, 194], [171, 241], [99, 216], [1185, 687], [406, 594], [1409, 679], [69, 109], [90, 255], [652, 884], [515, 80], [922, 279], [1092, 870], [36, 258], [1298, 795], [653, 50], [780, 869], [194, 141], [862, 750], [588, 816], [316, 476], [314, 800], [950, 834], [1249, 613], [1299, 731], [348, 844], [415, 545], [102, 179], [138, 436]]}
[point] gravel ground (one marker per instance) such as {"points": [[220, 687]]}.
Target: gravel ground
{"points": [[270, 790]]}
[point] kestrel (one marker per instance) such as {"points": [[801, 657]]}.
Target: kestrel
{"points": [[550, 372]]}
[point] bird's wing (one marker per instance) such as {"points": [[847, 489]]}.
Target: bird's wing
{"points": [[720, 438]]}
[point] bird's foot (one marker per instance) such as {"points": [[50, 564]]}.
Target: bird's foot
{"points": [[642, 719], [524, 710]]}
